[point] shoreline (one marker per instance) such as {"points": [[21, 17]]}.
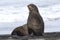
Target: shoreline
{"points": [[46, 35]]}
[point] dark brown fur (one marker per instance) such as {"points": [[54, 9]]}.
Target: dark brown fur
{"points": [[35, 22], [20, 31]]}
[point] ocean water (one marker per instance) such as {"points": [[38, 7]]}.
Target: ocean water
{"points": [[14, 13]]}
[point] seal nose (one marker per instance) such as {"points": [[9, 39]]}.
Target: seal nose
{"points": [[29, 6]]}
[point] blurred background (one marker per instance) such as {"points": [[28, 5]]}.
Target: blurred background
{"points": [[14, 13]]}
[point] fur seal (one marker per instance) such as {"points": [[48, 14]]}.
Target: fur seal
{"points": [[20, 31], [35, 22]]}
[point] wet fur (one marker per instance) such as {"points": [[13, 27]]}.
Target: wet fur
{"points": [[35, 22]]}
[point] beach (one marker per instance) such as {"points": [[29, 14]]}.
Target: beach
{"points": [[46, 36]]}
